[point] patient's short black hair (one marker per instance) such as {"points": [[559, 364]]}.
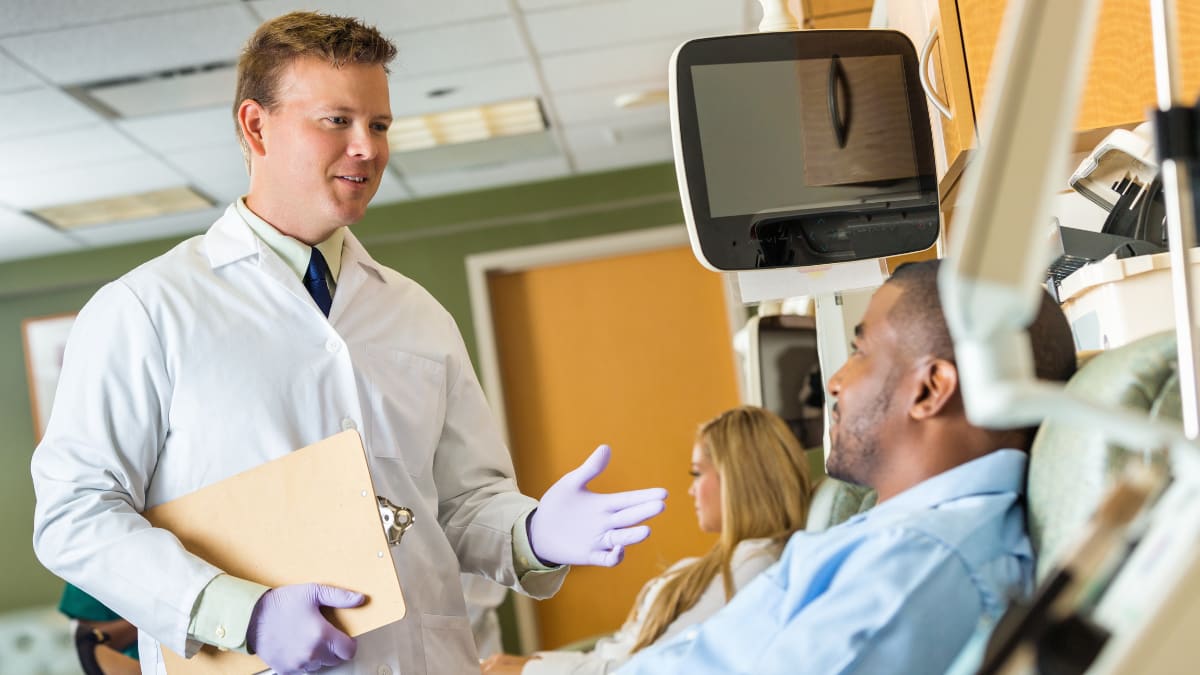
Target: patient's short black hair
{"points": [[919, 312]]}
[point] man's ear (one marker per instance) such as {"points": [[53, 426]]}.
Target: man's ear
{"points": [[251, 118], [938, 385]]}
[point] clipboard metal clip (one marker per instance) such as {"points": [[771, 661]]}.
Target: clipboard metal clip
{"points": [[396, 520]]}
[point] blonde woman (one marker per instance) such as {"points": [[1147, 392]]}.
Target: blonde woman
{"points": [[750, 484]]}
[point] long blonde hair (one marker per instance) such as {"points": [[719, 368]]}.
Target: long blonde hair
{"points": [[765, 491]]}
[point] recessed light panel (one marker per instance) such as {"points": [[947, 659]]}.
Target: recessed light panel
{"points": [[123, 208]]}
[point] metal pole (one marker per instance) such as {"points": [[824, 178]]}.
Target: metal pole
{"points": [[1181, 213]]}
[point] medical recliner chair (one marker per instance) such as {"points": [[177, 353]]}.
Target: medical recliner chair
{"points": [[1071, 468]]}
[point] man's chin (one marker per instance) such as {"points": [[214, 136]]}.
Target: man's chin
{"points": [[843, 473]]}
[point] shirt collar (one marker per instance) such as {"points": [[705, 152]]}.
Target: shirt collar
{"points": [[293, 251], [1001, 471]]}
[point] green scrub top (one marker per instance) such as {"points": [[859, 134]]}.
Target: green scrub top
{"points": [[79, 605]]}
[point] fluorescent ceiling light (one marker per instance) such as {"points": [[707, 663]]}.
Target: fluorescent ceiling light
{"points": [[172, 91], [126, 207], [495, 120]]}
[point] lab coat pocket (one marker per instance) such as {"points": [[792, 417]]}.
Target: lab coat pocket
{"points": [[407, 404], [449, 645]]}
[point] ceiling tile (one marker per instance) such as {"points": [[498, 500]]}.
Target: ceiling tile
{"points": [[136, 46], [469, 87], [458, 157], [617, 133], [94, 144], [593, 50], [177, 225], [217, 170], [391, 189], [85, 183], [604, 67], [488, 177], [600, 104], [181, 131], [27, 17], [601, 147], [39, 111], [600, 25], [476, 44], [24, 237], [14, 77], [396, 15]]}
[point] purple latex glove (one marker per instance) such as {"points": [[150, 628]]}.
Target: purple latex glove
{"points": [[575, 526], [289, 633]]}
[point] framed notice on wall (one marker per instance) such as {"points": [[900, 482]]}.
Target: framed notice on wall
{"points": [[45, 340]]}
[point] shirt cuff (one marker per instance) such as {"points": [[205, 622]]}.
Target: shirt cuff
{"points": [[222, 612], [524, 559]]}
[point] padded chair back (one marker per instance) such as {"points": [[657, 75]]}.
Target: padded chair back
{"points": [[834, 501], [1071, 468]]}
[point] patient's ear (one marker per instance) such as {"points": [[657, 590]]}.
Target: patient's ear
{"points": [[937, 387]]}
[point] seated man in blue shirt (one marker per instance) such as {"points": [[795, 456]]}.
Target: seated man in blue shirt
{"points": [[900, 588]]}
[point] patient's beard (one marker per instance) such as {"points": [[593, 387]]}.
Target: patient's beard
{"points": [[855, 448]]}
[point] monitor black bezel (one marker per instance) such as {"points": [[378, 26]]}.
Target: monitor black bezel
{"points": [[786, 46]]}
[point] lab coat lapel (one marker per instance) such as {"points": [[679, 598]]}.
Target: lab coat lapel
{"points": [[277, 270], [359, 271], [231, 240]]}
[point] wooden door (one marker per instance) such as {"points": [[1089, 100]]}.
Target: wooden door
{"points": [[633, 351]]}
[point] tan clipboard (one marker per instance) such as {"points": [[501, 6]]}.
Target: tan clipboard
{"points": [[310, 516]]}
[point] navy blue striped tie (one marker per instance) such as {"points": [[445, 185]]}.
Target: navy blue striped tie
{"points": [[314, 281]]}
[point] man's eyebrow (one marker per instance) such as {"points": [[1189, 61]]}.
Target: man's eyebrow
{"points": [[345, 109]]}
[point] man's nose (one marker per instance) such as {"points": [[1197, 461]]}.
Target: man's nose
{"points": [[364, 144], [835, 384]]}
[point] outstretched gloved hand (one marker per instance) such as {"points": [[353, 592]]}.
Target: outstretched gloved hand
{"points": [[575, 526], [289, 633]]}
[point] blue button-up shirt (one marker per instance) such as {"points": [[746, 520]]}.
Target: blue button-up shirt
{"points": [[898, 589]]}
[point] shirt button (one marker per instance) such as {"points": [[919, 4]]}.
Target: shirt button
{"points": [[332, 346], [384, 670], [348, 424], [220, 631]]}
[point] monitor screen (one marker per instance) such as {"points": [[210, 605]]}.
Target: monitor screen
{"points": [[789, 375], [803, 148]]}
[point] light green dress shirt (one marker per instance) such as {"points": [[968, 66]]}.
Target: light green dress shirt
{"points": [[222, 612]]}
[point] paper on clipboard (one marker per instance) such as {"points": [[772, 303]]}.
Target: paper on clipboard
{"points": [[261, 524]]}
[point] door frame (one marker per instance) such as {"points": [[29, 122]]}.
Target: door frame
{"points": [[480, 265]]}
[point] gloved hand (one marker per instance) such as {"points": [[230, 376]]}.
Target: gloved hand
{"points": [[575, 526], [289, 633]]}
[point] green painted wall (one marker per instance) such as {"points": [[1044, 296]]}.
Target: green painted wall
{"points": [[427, 240]]}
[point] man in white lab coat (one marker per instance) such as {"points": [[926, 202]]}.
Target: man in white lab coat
{"points": [[273, 330]]}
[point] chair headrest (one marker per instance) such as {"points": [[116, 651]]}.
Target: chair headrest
{"points": [[834, 501], [1070, 468]]}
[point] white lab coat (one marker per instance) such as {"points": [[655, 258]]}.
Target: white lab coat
{"points": [[483, 597], [212, 359]]}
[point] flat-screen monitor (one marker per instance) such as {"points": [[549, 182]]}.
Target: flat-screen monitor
{"points": [[785, 374], [802, 148]]}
